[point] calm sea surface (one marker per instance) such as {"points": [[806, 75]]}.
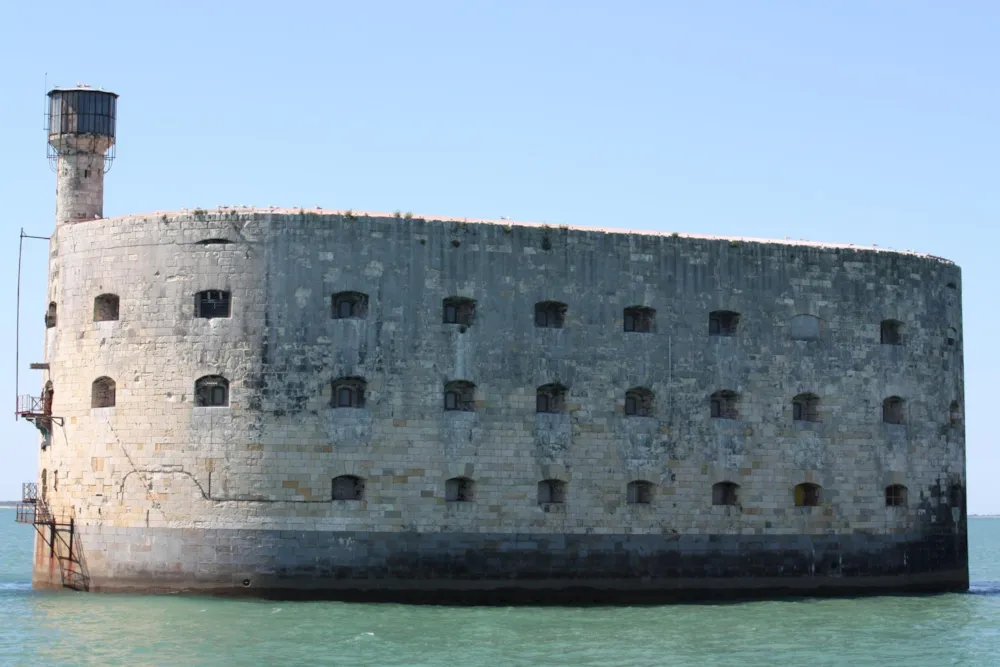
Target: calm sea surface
{"points": [[65, 628]]}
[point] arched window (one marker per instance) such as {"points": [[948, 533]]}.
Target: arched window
{"points": [[459, 310], [102, 393], [804, 327], [892, 410], [550, 314], [460, 395], [895, 495], [348, 487], [551, 491], [459, 490], [955, 413], [723, 323], [892, 332], [725, 493], [211, 303], [106, 308], [550, 398], [350, 305], [211, 391], [349, 392], [640, 319], [639, 402], [50, 316], [805, 408], [725, 405], [639, 492], [807, 495], [952, 337]]}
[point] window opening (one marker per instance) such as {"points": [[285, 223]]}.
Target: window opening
{"points": [[551, 491], [102, 393], [723, 323], [550, 398], [459, 310], [106, 308], [210, 304], [211, 391], [725, 493], [459, 490], [349, 392], [459, 395], [807, 495], [350, 305], [805, 407], [892, 410], [550, 314], [892, 332], [639, 492], [639, 319], [724, 405], [895, 495], [348, 487], [639, 402], [954, 413], [50, 316]]}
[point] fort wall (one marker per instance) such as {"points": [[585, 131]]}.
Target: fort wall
{"points": [[167, 495]]}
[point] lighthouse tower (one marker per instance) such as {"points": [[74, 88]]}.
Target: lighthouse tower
{"points": [[81, 128]]}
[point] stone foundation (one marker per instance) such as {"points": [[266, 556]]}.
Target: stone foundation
{"points": [[511, 568]]}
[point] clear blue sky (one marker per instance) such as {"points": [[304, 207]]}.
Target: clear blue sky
{"points": [[864, 122]]}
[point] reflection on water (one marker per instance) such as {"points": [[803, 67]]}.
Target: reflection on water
{"points": [[54, 628]]}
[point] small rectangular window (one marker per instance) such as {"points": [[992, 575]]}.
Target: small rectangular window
{"points": [[212, 303]]}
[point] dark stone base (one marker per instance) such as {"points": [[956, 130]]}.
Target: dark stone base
{"points": [[483, 568]]}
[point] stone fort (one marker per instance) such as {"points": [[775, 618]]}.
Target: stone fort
{"points": [[387, 406]]}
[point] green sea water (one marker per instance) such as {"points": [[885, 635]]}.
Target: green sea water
{"points": [[65, 628]]}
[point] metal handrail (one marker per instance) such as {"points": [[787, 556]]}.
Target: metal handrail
{"points": [[28, 404], [29, 492]]}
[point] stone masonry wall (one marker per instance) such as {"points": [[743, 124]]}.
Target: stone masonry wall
{"points": [[265, 462], [80, 182]]}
